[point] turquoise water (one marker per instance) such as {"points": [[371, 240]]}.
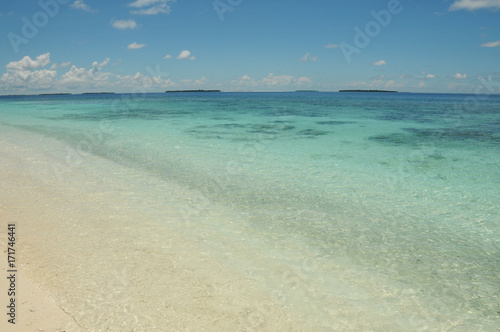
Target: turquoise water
{"points": [[385, 205]]}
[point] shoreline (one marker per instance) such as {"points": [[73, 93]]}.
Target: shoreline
{"points": [[65, 241], [35, 309], [126, 233]]}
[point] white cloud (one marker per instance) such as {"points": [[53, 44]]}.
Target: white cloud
{"points": [[303, 81], [144, 3], [151, 7], [430, 76], [421, 84], [28, 76], [491, 44], [143, 81], [356, 84], [162, 8], [379, 63], [135, 46], [332, 46], [79, 4], [168, 56], [124, 24], [201, 81], [271, 81], [27, 63], [460, 76], [380, 82], [475, 4], [38, 79], [244, 81], [460, 87], [308, 57], [390, 84], [20, 74], [23, 75], [75, 76], [245, 77], [62, 65], [97, 67], [83, 78], [185, 54]]}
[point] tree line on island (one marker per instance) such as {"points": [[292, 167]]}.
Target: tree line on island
{"points": [[173, 91], [368, 91]]}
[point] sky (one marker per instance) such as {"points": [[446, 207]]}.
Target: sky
{"points": [[68, 46]]}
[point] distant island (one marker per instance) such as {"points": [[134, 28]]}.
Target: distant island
{"points": [[368, 91], [55, 94], [69, 94], [173, 91]]}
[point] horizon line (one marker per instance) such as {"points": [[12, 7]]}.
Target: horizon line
{"points": [[47, 94]]}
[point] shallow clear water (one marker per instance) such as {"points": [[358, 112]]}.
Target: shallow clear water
{"points": [[385, 205]]}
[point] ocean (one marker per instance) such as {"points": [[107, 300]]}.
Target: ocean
{"points": [[346, 211]]}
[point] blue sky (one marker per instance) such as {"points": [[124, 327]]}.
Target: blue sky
{"points": [[241, 45]]}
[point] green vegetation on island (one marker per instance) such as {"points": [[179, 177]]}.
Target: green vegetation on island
{"points": [[173, 91], [368, 91], [55, 94]]}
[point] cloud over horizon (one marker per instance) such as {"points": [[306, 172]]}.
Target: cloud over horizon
{"points": [[271, 80], [21, 74], [28, 75], [81, 77]]}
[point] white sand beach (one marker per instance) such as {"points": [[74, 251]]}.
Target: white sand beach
{"points": [[90, 258]]}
